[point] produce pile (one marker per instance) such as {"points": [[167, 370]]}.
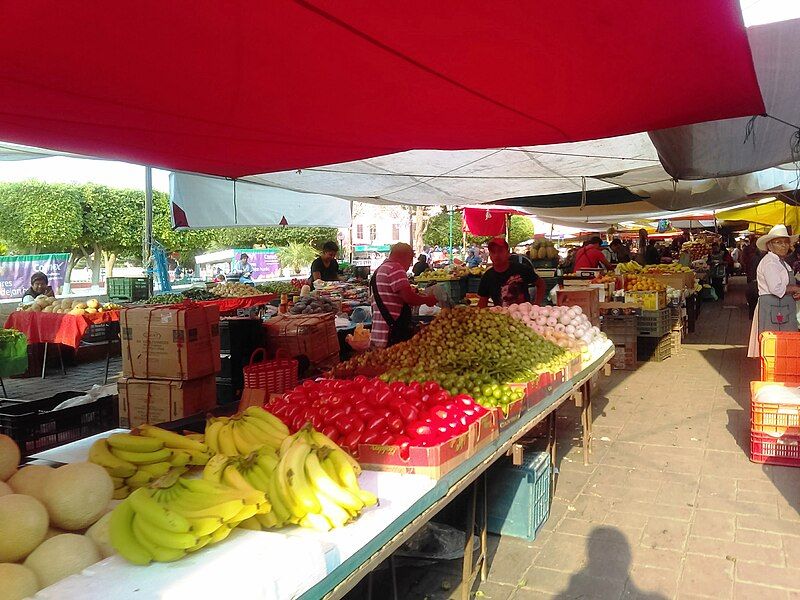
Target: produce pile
{"points": [[543, 249], [466, 350], [198, 295], [667, 269], [566, 326], [371, 411], [628, 267], [313, 304], [66, 306], [8, 336], [234, 290], [608, 278], [696, 250], [636, 283], [159, 299], [437, 275], [276, 287]]}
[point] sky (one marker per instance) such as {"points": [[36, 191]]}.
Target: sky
{"points": [[123, 175]]}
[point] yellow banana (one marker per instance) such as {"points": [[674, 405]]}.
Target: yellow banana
{"points": [[234, 479], [268, 521], [142, 458], [328, 467], [284, 492], [179, 458], [316, 521], [122, 538], [264, 433], [224, 510], [205, 525], [220, 534], [202, 542], [226, 443], [172, 439], [367, 497], [140, 479], [134, 443], [159, 553], [344, 469], [296, 477], [240, 441], [121, 493], [320, 480], [267, 417], [247, 511], [118, 481], [100, 454], [320, 439], [163, 538], [267, 462], [214, 467], [337, 515], [279, 507], [210, 490], [143, 504], [156, 469], [213, 428], [198, 437], [251, 523], [256, 477], [197, 458]]}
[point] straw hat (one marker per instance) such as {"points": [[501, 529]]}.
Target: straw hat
{"points": [[779, 231]]}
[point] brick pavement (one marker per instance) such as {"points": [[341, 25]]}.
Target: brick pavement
{"points": [[671, 506]]}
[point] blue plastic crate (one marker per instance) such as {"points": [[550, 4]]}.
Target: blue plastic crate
{"points": [[518, 497]]}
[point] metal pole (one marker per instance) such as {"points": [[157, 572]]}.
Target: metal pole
{"points": [[451, 235], [147, 245]]}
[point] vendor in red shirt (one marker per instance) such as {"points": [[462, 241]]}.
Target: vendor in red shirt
{"points": [[590, 256], [507, 282]]}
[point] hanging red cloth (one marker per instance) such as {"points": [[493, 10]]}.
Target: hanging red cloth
{"points": [[483, 222]]}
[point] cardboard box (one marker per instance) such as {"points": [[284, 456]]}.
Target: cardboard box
{"points": [[433, 462], [483, 432], [170, 342], [161, 400], [647, 300], [588, 298], [507, 418]]}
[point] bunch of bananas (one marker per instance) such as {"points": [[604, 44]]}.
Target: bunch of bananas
{"points": [[134, 460], [165, 523], [628, 267], [245, 432]]}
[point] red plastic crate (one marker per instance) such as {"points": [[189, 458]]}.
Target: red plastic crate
{"points": [[780, 356], [784, 451]]}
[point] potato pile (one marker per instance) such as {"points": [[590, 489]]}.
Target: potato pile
{"points": [[234, 290], [69, 307]]}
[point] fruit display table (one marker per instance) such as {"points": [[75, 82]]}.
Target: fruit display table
{"points": [[307, 564], [56, 328]]}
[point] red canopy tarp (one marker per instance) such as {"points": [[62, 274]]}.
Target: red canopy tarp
{"points": [[240, 87]]}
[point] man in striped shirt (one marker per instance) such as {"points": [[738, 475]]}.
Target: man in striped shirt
{"points": [[396, 294]]}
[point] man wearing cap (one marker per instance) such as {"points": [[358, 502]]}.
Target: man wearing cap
{"points": [[777, 288], [507, 282], [590, 256]]}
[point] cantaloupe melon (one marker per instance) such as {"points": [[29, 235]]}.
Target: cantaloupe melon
{"points": [[23, 525], [100, 535], [76, 495], [53, 532], [5, 489], [62, 556], [9, 457], [31, 480], [17, 582]]}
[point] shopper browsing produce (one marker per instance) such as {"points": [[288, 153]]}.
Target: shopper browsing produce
{"points": [[507, 282], [393, 297], [590, 256], [38, 288], [325, 266], [777, 291], [420, 266]]}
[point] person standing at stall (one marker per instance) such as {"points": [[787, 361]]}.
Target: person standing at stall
{"points": [[507, 281], [38, 288], [325, 266], [420, 266], [590, 256], [777, 288], [244, 269], [393, 297]]}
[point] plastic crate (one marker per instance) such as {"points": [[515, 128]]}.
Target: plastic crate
{"points": [[34, 426], [654, 349], [780, 356], [518, 501], [654, 323], [784, 451], [624, 325], [473, 283], [127, 289], [101, 333], [676, 337], [771, 417]]}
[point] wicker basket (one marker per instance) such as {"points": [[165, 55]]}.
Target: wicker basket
{"points": [[312, 336], [276, 376]]}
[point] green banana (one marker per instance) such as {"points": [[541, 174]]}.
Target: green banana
{"points": [[143, 504], [279, 507], [100, 454], [172, 439], [133, 443], [122, 538]]}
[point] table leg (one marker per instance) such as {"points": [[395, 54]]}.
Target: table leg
{"points": [[61, 359], [3, 385], [44, 360], [586, 419], [551, 449], [467, 567], [484, 529], [393, 569]]}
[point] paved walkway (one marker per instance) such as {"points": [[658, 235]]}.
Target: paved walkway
{"points": [[671, 507]]}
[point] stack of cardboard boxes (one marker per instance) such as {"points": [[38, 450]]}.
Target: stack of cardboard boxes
{"points": [[170, 357]]}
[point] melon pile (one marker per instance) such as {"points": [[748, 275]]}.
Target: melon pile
{"points": [[52, 521]]}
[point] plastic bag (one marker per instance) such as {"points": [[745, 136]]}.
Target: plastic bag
{"points": [[97, 391], [441, 293], [436, 541], [13, 353]]}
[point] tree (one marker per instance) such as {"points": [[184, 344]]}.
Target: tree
{"points": [[438, 233], [519, 230]]}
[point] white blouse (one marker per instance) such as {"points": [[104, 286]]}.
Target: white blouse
{"points": [[773, 275]]}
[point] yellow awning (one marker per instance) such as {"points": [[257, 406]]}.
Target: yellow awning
{"points": [[764, 215]]}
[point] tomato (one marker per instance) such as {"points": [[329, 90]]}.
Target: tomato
{"points": [[464, 400], [403, 441], [413, 397], [387, 439], [395, 423], [344, 424], [439, 414], [297, 422], [278, 409], [384, 397], [371, 437], [331, 432], [362, 405], [351, 440], [360, 379], [377, 423], [440, 397], [407, 412], [415, 387], [317, 421], [430, 387], [397, 387], [308, 384], [358, 424], [420, 430]]}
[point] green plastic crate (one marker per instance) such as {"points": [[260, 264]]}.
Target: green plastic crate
{"points": [[127, 289], [519, 496]]}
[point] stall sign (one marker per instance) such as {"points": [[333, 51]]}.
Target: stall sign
{"points": [[16, 271]]}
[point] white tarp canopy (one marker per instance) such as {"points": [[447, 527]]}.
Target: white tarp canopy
{"points": [[718, 148], [202, 202]]}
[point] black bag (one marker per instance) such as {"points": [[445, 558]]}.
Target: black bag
{"points": [[400, 329]]}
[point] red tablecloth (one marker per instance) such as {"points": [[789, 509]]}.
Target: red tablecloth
{"points": [[56, 328], [231, 304]]}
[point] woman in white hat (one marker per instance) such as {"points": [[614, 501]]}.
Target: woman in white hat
{"points": [[777, 288]]}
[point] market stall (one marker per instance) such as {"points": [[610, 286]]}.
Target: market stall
{"points": [[52, 328]]}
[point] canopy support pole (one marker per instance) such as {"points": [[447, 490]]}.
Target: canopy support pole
{"points": [[451, 235], [147, 242]]}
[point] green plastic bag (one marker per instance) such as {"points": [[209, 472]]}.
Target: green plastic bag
{"points": [[13, 352]]}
